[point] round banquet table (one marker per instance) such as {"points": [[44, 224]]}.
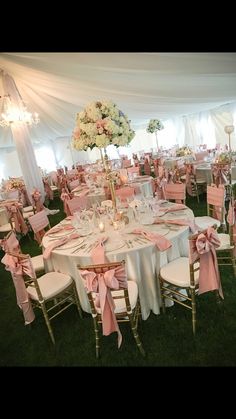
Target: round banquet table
{"points": [[95, 197], [143, 260]]}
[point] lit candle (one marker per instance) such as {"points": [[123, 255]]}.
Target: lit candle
{"points": [[101, 226]]}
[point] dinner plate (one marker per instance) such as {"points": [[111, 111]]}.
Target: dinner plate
{"points": [[61, 233], [72, 243], [114, 245]]}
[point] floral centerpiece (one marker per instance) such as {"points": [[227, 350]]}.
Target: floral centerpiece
{"points": [[14, 183], [224, 158], [100, 124], [154, 125], [184, 151]]}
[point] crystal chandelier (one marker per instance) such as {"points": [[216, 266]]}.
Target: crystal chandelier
{"points": [[12, 114]]}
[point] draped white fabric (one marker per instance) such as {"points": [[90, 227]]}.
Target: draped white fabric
{"points": [[143, 85], [194, 94], [24, 147]]}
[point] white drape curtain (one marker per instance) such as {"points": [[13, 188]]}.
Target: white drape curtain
{"points": [[24, 147]]}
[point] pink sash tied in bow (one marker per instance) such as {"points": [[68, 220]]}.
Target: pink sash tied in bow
{"points": [[102, 284], [15, 213], [160, 241], [209, 277], [36, 196], [48, 190], [65, 197], [24, 196], [17, 269]]}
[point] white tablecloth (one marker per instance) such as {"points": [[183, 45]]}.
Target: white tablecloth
{"points": [[143, 262]]}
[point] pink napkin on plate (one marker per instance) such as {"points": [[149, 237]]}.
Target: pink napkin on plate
{"points": [[160, 241], [98, 252], [57, 243], [173, 208], [191, 224]]}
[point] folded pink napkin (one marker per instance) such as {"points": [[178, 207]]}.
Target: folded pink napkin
{"points": [[57, 243], [98, 252], [175, 207], [58, 229], [160, 241], [191, 224]]}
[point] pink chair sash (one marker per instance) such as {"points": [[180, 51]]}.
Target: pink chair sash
{"points": [[174, 191], [36, 196], [65, 197], [18, 268], [231, 217], [10, 244], [102, 284], [160, 241], [24, 192], [15, 213], [48, 190], [205, 245]]}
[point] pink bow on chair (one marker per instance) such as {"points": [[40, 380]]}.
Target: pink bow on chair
{"points": [[102, 284], [17, 269], [209, 278], [15, 213]]}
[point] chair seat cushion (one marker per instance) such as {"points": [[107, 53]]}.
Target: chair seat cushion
{"points": [[27, 214], [224, 242], [205, 221], [37, 262], [27, 209], [54, 188], [177, 272], [5, 227], [50, 284], [120, 306]]}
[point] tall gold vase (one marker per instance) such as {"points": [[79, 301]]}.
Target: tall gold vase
{"points": [[109, 179]]}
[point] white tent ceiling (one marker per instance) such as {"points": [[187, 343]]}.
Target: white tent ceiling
{"points": [[143, 85]]}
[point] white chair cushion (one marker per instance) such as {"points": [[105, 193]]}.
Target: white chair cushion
{"points": [[37, 262], [224, 242], [120, 306], [27, 214], [205, 221], [54, 188], [27, 209], [5, 227], [177, 272], [50, 285]]}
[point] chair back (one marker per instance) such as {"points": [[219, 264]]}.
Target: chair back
{"points": [[39, 222], [124, 193], [216, 202], [77, 203], [175, 191]]}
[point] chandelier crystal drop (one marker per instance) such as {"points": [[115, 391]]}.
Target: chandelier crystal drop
{"points": [[12, 114]]}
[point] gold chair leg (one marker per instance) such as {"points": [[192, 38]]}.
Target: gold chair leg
{"points": [[48, 323], [77, 301], [136, 336], [194, 319], [162, 295], [97, 343]]}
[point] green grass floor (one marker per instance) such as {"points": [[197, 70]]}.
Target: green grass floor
{"points": [[167, 339]]}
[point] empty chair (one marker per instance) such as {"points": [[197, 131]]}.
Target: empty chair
{"points": [[112, 299], [175, 191], [53, 292], [183, 278], [124, 193], [215, 208], [77, 203], [11, 243], [39, 222]]}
